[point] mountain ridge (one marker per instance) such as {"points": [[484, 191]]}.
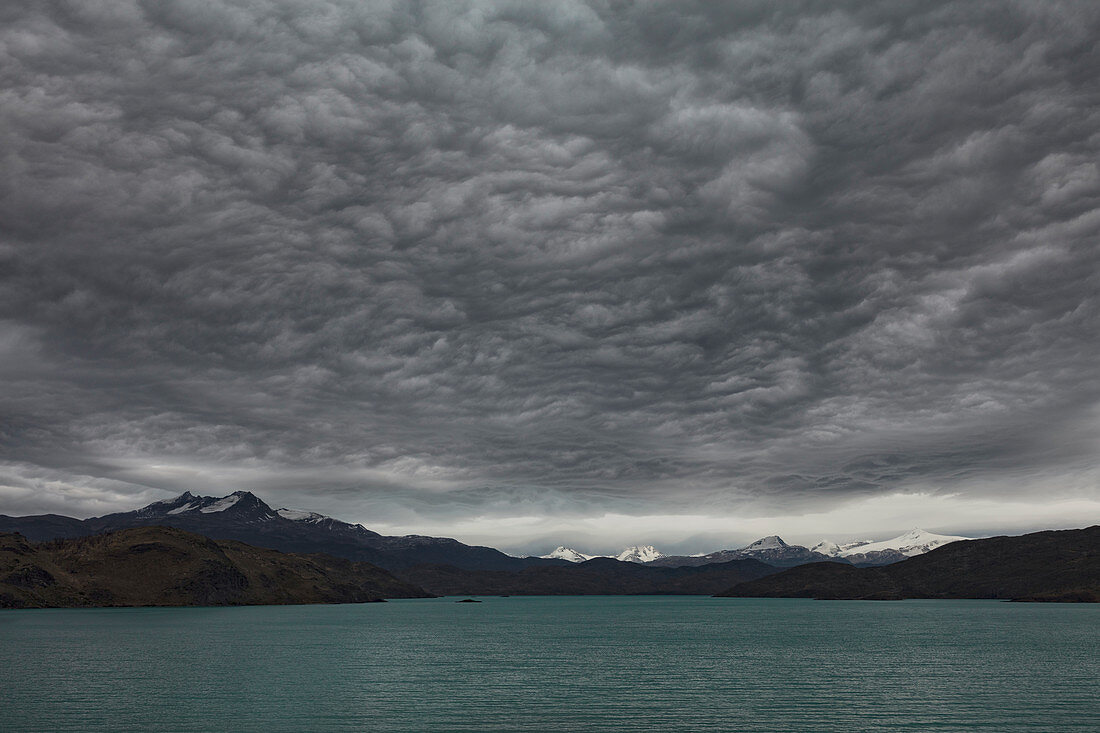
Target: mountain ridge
{"points": [[1051, 565], [774, 550], [244, 517], [446, 565], [597, 576], [908, 544]]}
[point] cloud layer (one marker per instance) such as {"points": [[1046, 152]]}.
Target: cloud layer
{"points": [[432, 262]]}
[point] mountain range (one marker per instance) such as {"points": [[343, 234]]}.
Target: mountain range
{"points": [[637, 553], [774, 551], [244, 517], [210, 550], [1045, 566], [1061, 565]]}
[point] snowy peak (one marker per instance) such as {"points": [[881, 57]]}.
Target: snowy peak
{"points": [[299, 515], [167, 506], [243, 507], [238, 504], [567, 553], [832, 549], [771, 542], [639, 553], [914, 542], [827, 548], [188, 506], [221, 504]]}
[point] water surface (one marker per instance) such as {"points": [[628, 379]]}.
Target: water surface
{"points": [[556, 663]]}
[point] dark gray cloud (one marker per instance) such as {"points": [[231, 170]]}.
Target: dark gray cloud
{"points": [[450, 260]]}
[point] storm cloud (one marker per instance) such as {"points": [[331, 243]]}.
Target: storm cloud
{"points": [[426, 264]]}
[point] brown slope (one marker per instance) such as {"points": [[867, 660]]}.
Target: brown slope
{"points": [[1053, 565], [162, 566]]}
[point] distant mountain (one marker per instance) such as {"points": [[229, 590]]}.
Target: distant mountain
{"points": [[1043, 566], [772, 550], [161, 566], [598, 576], [566, 553], [771, 542], [244, 517], [912, 543], [639, 553], [832, 549]]}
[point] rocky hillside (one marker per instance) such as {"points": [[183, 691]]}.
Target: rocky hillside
{"points": [[163, 566]]}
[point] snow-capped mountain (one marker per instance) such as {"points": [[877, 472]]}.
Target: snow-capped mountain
{"points": [[241, 505], [771, 542], [774, 551], [914, 542], [832, 549], [771, 550], [300, 515], [639, 553], [567, 553]]}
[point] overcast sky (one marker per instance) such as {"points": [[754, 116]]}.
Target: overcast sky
{"points": [[530, 273]]}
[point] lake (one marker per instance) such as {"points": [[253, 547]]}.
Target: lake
{"points": [[608, 663]]}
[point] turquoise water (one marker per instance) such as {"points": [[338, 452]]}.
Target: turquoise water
{"points": [[563, 664]]}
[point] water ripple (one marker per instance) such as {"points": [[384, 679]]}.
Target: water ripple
{"points": [[562, 664]]}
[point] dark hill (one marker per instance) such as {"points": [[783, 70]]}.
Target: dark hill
{"points": [[42, 527], [1043, 566], [599, 576], [162, 566]]}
